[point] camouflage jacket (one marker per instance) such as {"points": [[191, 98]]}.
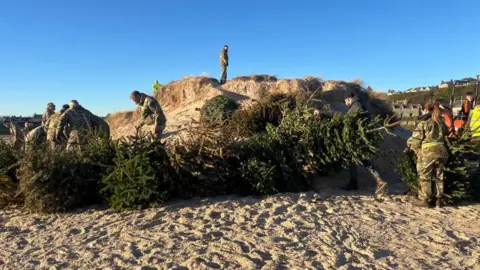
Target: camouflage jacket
{"points": [[151, 107], [74, 121], [46, 117], [36, 136], [52, 127], [428, 138], [224, 57], [16, 132]]}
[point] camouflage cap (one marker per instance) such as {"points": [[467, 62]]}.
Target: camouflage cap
{"points": [[50, 104]]}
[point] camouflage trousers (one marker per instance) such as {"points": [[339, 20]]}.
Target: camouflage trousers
{"points": [[428, 168], [223, 77]]}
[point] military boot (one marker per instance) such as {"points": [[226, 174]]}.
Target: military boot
{"points": [[420, 203]]}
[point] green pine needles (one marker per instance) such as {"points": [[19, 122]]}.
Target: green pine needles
{"points": [[140, 175], [219, 109], [462, 181]]}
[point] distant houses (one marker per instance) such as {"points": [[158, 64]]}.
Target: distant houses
{"points": [[420, 89], [462, 82], [36, 119], [442, 85]]}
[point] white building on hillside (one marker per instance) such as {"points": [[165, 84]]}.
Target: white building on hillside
{"points": [[462, 82]]}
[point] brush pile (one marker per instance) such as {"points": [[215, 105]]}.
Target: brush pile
{"points": [[274, 145]]}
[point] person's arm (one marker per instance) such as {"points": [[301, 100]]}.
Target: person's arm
{"points": [[143, 114], [61, 126], [417, 138]]}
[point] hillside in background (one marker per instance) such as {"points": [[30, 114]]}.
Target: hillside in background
{"points": [[442, 95], [181, 99]]}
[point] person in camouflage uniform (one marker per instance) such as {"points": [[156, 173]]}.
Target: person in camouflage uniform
{"points": [[150, 108], [428, 142], [35, 137], [27, 129], [53, 124], [224, 63], [352, 100], [18, 138], [74, 125], [48, 113]]}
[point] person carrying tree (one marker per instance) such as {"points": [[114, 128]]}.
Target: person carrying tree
{"points": [[353, 101], [428, 142]]}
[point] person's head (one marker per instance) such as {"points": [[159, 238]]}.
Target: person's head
{"points": [[434, 109], [135, 96], [349, 95], [74, 103], [64, 108], [51, 107], [469, 96], [225, 47], [6, 123], [28, 125]]}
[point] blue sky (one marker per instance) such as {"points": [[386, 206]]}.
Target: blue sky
{"points": [[98, 51]]}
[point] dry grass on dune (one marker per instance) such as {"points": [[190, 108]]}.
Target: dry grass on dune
{"points": [[180, 98]]}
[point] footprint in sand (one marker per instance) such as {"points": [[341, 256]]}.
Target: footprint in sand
{"points": [[260, 220], [75, 231], [245, 248], [281, 240], [279, 210]]}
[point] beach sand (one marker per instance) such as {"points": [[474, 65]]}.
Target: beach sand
{"points": [[337, 230]]}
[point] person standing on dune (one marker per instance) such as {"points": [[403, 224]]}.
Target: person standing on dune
{"points": [[224, 63]]}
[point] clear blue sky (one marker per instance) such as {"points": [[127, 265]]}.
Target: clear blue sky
{"points": [[97, 51]]}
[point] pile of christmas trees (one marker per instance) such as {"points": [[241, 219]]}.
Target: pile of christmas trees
{"points": [[275, 145]]}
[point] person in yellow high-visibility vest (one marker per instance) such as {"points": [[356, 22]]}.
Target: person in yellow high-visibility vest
{"points": [[475, 122]]}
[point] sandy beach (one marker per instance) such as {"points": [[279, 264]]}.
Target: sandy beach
{"points": [[288, 231]]}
